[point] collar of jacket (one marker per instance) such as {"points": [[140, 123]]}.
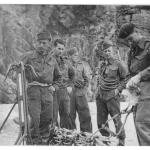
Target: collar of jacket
{"points": [[111, 61], [141, 43]]}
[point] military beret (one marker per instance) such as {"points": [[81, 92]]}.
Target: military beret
{"points": [[106, 44], [60, 41], [125, 30], [43, 36]]}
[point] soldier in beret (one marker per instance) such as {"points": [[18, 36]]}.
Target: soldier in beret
{"points": [[79, 102], [41, 87], [139, 68], [111, 73]]}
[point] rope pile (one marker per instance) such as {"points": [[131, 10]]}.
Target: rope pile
{"points": [[62, 136]]}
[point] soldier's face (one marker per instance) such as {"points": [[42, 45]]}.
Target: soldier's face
{"points": [[75, 57], [44, 44], [109, 52], [60, 47], [134, 37]]}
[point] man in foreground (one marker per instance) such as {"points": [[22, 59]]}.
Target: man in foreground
{"points": [[139, 67]]}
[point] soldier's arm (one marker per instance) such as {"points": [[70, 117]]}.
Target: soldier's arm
{"points": [[122, 69], [71, 73], [145, 74], [85, 77], [57, 78], [30, 73]]}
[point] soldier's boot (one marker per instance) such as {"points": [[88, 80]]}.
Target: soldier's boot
{"points": [[121, 142], [37, 140]]}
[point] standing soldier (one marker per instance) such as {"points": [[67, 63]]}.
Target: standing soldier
{"points": [[111, 73], [139, 67], [41, 87], [79, 102], [61, 96]]}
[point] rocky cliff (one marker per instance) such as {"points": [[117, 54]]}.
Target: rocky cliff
{"points": [[79, 25]]}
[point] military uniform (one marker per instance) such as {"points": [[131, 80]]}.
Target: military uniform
{"points": [[61, 96], [79, 102], [40, 98], [139, 67], [110, 76], [139, 62]]}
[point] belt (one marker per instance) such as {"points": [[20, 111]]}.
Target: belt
{"points": [[35, 83]]}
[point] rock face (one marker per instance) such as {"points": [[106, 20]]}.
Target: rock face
{"points": [[7, 90], [19, 25], [79, 25]]}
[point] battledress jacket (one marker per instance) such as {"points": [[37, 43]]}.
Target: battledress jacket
{"points": [[46, 68], [111, 77], [139, 62]]}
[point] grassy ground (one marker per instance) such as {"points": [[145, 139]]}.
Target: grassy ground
{"points": [[10, 130]]}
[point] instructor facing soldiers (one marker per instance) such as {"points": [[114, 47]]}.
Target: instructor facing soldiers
{"points": [[139, 67]]}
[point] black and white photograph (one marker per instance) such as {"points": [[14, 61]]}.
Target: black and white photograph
{"points": [[74, 75]]}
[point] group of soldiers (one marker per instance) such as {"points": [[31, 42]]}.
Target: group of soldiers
{"points": [[62, 86]]}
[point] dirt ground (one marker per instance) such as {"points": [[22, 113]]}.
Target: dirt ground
{"points": [[10, 130]]}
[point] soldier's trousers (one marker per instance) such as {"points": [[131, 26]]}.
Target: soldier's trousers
{"points": [[62, 105], [142, 122], [40, 104], [104, 108], [79, 104]]}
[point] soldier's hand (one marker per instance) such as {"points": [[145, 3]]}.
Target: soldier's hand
{"points": [[133, 81], [52, 88], [79, 84], [69, 89], [116, 92]]}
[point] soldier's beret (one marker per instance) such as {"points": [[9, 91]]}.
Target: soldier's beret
{"points": [[43, 36], [125, 30], [101, 46], [60, 41], [106, 44]]}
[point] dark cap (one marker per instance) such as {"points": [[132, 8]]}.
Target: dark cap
{"points": [[60, 41], [101, 46], [44, 36], [125, 30], [106, 44]]}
